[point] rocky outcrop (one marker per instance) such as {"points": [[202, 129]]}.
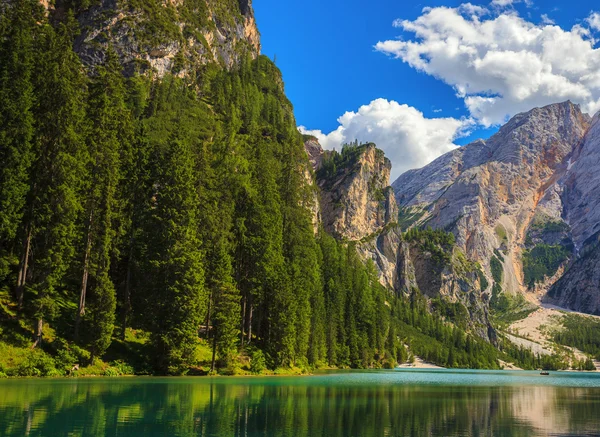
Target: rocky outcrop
{"points": [[166, 36], [356, 200], [579, 288], [488, 192], [314, 152]]}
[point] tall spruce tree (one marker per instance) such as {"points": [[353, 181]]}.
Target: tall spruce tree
{"points": [[18, 38], [110, 131], [175, 270], [59, 176]]}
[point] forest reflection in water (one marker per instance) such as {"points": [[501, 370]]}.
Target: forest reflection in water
{"points": [[340, 405]]}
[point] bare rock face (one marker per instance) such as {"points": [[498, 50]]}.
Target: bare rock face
{"points": [[314, 151], [356, 199], [488, 192], [167, 36], [579, 288]]}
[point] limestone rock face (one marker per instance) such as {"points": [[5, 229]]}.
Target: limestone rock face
{"points": [[356, 200], [487, 193], [167, 36], [314, 152]]}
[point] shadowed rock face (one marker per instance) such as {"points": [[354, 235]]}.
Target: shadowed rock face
{"points": [[579, 287], [167, 36]]}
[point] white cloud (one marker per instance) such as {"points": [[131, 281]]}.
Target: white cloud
{"points": [[502, 64], [594, 21], [547, 20], [408, 138], [505, 3]]}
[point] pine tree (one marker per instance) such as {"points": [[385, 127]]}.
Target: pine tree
{"points": [[110, 130], [19, 32], [226, 317], [175, 282], [54, 205]]}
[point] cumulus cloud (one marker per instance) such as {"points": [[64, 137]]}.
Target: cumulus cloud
{"points": [[408, 138], [594, 21], [502, 64]]}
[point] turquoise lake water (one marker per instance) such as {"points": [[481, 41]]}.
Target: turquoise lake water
{"points": [[356, 403]]}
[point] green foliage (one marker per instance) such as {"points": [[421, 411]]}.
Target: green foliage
{"points": [[501, 233], [580, 332], [483, 281], [432, 337], [334, 161], [543, 261], [497, 269], [257, 361], [437, 242], [507, 309], [181, 205]]}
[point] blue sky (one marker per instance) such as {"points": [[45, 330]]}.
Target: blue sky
{"points": [[326, 51]]}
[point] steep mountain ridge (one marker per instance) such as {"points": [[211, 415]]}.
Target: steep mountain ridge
{"points": [[522, 200], [488, 192]]}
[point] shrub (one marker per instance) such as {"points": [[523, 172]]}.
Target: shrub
{"points": [[122, 367], [35, 363], [257, 361]]}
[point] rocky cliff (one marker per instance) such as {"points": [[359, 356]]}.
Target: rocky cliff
{"points": [[526, 199], [165, 36], [579, 287], [356, 199]]}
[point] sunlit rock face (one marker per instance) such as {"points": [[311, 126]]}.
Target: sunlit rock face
{"points": [[493, 194], [357, 200], [166, 36]]}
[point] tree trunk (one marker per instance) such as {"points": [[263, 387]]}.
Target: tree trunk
{"points": [[250, 322], [243, 327], [84, 281], [214, 352], [210, 298], [127, 298], [38, 334], [23, 266]]}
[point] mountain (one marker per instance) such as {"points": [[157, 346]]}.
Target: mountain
{"points": [[520, 203], [357, 204]]}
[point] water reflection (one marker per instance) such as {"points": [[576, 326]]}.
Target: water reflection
{"points": [[314, 406]]}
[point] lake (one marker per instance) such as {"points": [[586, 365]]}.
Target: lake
{"points": [[354, 403]]}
